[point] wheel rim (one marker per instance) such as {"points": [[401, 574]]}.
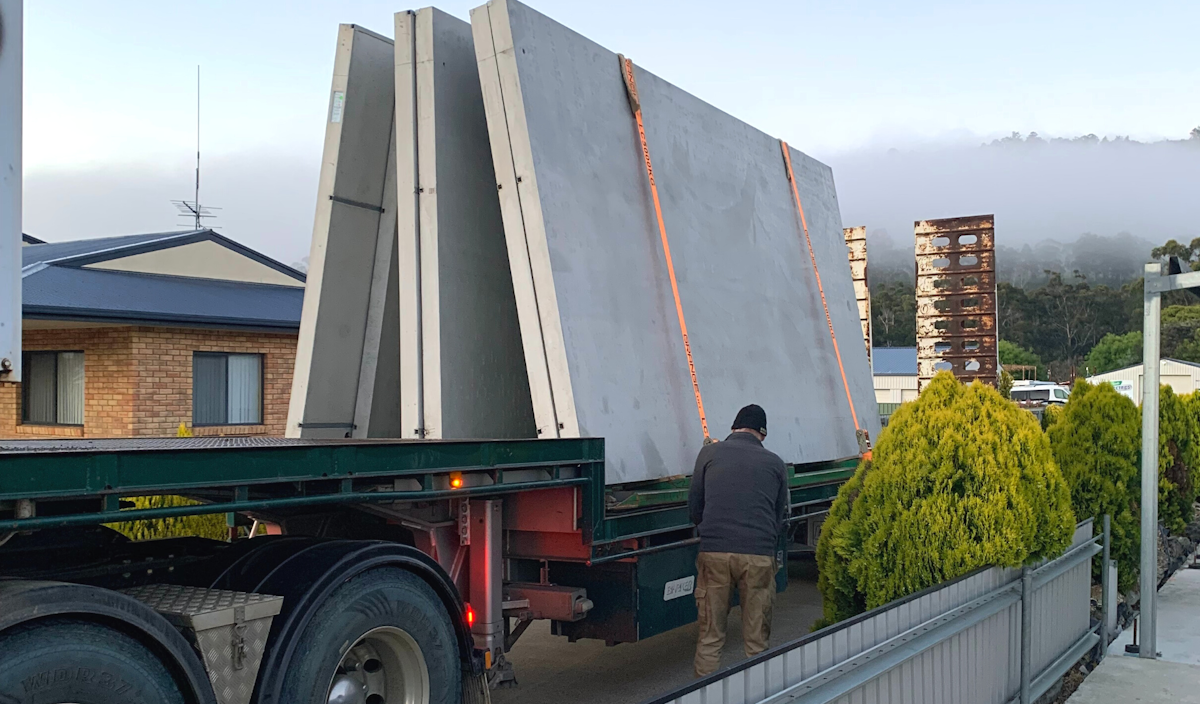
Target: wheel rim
{"points": [[384, 666]]}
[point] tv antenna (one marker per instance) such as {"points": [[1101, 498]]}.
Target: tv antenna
{"points": [[193, 208]]}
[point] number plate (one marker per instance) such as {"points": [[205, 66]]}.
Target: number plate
{"points": [[679, 587]]}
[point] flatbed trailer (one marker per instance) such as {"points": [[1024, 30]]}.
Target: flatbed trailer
{"points": [[498, 532]]}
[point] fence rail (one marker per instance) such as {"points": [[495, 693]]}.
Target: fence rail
{"points": [[995, 636]]}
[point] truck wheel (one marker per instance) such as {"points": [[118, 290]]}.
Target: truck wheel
{"points": [[63, 660], [383, 636]]}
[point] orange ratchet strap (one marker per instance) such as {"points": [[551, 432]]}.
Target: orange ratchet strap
{"points": [[787, 160], [636, 106]]}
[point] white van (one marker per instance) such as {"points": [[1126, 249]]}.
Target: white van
{"points": [[1039, 393]]}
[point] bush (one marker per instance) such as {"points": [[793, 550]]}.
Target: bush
{"points": [[1177, 460], [1050, 415], [208, 526], [835, 549], [1096, 440], [961, 478]]}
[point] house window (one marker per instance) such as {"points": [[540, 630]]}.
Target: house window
{"points": [[226, 389], [52, 391]]}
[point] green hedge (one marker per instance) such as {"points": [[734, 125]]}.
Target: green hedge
{"points": [[1096, 439], [1178, 450], [208, 526], [961, 478]]}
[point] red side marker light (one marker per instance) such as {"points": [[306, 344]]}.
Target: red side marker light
{"points": [[470, 615]]}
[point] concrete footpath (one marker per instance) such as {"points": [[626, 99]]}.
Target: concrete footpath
{"points": [[1175, 677]]}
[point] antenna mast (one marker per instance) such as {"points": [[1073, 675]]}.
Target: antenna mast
{"points": [[193, 209]]}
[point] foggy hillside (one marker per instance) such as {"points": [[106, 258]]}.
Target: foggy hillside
{"points": [[1088, 204]]}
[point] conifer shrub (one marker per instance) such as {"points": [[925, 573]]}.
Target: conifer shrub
{"points": [[1178, 450], [211, 526], [1096, 441], [961, 478], [1050, 414], [835, 549]]}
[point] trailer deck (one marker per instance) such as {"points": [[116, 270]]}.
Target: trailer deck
{"points": [[57, 483]]}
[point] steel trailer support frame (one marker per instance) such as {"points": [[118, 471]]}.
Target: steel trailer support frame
{"points": [[11, 23]]}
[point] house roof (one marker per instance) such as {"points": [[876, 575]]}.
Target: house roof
{"points": [[894, 361], [102, 249], [57, 284]]}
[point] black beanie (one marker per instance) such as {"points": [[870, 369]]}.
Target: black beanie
{"points": [[752, 417]]}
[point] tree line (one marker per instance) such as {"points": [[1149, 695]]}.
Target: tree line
{"points": [[1088, 321]]}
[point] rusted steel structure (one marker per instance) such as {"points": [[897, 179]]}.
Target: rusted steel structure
{"points": [[956, 299], [856, 246]]}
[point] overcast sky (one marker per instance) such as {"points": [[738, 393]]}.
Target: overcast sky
{"points": [[110, 89]]}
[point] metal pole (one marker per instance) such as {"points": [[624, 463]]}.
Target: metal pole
{"points": [[11, 31], [1149, 563], [1106, 604], [1026, 633]]}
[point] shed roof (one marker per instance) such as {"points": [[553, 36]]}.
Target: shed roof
{"points": [[894, 361]]}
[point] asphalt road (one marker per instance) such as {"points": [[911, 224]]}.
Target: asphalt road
{"points": [[552, 671]]}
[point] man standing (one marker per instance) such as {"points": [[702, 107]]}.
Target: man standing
{"points": [[739, 499]]}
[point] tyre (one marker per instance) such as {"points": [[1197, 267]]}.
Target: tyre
{"points": [[383, 636], [61, 661]]}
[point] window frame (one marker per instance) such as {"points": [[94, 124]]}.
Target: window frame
{"points": [[26, 388], [262, 384]]}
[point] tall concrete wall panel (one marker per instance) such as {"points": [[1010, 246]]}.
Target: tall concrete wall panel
{"points": [[472, 376], [598, 305], [342, 339]]}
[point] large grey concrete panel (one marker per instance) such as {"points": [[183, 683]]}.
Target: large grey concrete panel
{"points": [[757, 327], [341, 337], [472, 376]]}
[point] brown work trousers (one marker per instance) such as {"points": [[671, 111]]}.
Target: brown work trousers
{"points": [[717, 573]]}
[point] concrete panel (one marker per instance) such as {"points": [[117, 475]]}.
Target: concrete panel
{"points": [[355, 210], [472, 376], [757, 327]]}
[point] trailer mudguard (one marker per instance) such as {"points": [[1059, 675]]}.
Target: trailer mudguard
{"points": [[24, 601]]}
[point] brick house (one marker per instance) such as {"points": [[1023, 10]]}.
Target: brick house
{"points": [[132, 336]]}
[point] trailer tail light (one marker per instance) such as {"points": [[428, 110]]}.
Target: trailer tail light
{"points": [[456, 480], [469, 615]]}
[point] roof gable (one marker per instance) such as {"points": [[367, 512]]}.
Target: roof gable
{"points": [[224, 259]]}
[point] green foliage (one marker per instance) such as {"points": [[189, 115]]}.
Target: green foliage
{"points": [[1004, 386], [1178, 448], [1096, 439], [893, 314], [1050, 415], [835, 549], [961, 478], [1011, 353], [1115, 352], [208, 526]]}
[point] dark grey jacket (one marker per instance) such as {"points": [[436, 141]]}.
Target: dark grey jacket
{"points": [[739, 496]]}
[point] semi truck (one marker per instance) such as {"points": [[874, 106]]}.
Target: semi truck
{"points": [[380, 553]]}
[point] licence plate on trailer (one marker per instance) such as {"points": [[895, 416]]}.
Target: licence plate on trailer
{"points": [[679, 587]]}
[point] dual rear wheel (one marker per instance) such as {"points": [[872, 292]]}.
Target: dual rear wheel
{"points": [[382, 637]]}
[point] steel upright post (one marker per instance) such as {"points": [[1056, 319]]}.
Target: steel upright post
{"points": [[1149, 504], [11, 31], [1106, 604], [1026, 633]]}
